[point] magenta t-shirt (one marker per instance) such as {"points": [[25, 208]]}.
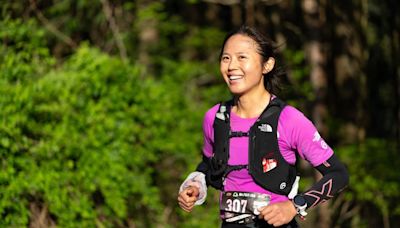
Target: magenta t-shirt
{"points": [[296, 134]]}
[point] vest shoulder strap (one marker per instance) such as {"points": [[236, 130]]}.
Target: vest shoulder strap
{"points": [[275, 105]]}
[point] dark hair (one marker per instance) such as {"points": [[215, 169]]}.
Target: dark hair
{"points": [[266, 49]]}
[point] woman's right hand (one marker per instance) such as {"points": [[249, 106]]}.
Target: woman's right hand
{"points": [[188, 197]]}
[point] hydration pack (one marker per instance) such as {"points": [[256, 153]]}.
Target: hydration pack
{"points": [[266, 164]]}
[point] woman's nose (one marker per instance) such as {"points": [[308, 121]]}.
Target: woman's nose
{"points": [[233, 64]]}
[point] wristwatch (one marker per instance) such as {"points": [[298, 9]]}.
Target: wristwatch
{"points": [[300, 204]]}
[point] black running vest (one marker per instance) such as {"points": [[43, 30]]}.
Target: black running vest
{"points": [[266, 164]]}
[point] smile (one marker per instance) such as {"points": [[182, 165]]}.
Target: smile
{"points": [[234, 77]]}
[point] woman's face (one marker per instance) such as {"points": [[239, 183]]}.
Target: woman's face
{"points": [[241, 65]]}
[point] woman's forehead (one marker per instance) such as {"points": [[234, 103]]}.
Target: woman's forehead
{"points": [[239, 41]]}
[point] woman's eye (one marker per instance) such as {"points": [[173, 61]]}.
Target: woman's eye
{"points": [[224, 58], [242, 57]]}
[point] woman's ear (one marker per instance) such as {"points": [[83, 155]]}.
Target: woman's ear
{"points": [[269, 65]]}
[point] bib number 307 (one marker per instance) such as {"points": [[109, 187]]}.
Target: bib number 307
{"points": [[236, 205], [243, 202]]}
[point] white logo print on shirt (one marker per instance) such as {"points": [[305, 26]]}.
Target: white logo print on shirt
{"points": [[317, 137]]}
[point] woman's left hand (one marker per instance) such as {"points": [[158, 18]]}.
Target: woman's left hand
{"points": [[278, 214]]}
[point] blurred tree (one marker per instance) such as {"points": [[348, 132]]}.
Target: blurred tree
{"points": [[315, 46]]}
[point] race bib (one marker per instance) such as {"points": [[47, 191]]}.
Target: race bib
{"points": [[239, 203]]}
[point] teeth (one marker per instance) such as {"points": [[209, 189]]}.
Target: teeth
{"points": [[234, 77]]}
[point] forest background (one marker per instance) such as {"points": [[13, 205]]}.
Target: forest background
{"points": [[101, 104]]}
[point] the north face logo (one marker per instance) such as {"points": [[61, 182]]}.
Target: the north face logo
{"points": [[265, 128]]}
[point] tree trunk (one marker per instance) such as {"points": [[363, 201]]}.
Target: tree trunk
{"points": [[237, 19], [314, 19], [148, 34], [250, 15]]}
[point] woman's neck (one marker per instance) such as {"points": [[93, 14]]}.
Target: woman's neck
{"points": [[251, 106]]}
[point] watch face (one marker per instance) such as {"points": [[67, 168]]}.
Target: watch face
{"points": [[299, 200]]}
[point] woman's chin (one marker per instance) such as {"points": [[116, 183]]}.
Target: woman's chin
{"points": [[236, 93]]}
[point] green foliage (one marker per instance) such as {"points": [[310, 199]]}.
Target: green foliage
{"points": [[203, 40], [373, 174], [23, 53], [94, 143], [300, 85]]}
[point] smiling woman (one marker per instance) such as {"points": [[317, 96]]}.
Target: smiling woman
{"points": [[247, 58], [251, 143], [240, 66]]}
